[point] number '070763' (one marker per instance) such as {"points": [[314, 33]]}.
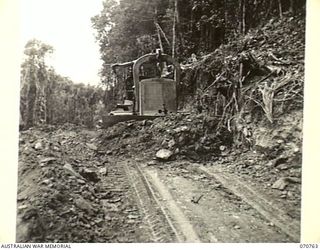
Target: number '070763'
{"points": [[308, 245]]}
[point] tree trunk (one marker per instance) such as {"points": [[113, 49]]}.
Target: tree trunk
{"points": [[270, 7], [244, 17], [280, 8], [291, 8], [31, 99], [174, 28]]}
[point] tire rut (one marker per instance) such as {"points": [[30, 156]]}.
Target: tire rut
{"points": [[159, 224], [269, 210]]}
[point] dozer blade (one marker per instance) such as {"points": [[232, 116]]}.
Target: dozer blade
{"points": [[111, 120]]}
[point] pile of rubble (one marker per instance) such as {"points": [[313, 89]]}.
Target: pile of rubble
{"points": [[61, 195], [182, 136]]}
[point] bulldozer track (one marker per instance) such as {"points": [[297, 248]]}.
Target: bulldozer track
{"points": [[161, 228], [165, 220], [127, 181]]}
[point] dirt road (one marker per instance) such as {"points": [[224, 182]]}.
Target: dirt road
{"points": [[70, 191], [203, 205]]}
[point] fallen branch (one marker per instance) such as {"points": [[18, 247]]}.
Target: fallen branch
{"points": [[215, 81]]}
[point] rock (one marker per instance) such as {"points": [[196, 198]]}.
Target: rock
{"points": [[171, 143], [280, 141], [296, 149], [92, 146], [81, 181], [107, 218], [293, 179], [270, 164], [38, 145], [249, 162], [22, 207], [280, 160], [181, 129], [164, 143], [280, 184], [181, 139], [133, 216], [84, 205], [89, 175], [46, 181], [283, 166], [236, 227], [151, 163], [103, 171], [115, 200], [164, 154], [283, 196], [125, 135], [99, 221], [71, 171], [264, 142], [45, 161], [257, 167], [248, 118], [290, 194], [146, 123]]}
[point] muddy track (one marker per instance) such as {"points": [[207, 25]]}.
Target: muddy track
{"points": [[261, 203], [182, 227], [225, 210], [215, 210], [159, 224], [161, 219]]}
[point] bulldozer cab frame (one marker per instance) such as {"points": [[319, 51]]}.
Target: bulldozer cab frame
{"points": [[154, 93]]}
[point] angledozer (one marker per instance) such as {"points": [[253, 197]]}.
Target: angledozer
{"points": [[150, 89]]}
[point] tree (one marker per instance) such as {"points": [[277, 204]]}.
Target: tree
{"points": [[48, 98], [33, 76]]}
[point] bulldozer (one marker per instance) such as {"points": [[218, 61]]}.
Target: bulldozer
{"points": [[150, 90]]}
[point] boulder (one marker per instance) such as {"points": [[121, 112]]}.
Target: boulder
{"points": [[89, 175], [164, 154], [280, 184]]}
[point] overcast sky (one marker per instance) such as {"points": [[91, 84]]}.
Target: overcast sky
{"points": [[66, 25]]}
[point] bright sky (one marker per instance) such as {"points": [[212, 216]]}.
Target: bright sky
{"points": [[65, 25]]}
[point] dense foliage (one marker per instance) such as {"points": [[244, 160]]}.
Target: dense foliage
{"points": [[130, 28], [48, 98]]}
